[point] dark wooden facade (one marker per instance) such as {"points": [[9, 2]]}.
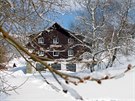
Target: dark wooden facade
{"points": [[56, 43]]}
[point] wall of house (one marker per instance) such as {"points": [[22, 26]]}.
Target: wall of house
{"points": [[74, 67], [61, 47]]}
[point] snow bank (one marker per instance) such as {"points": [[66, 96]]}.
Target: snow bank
{"points": [[18, 73], [35, 89], [117, 89], [3, 96], [18, 61], [23, 69]]}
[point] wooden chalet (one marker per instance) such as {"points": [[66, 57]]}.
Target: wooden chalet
{"points": [[56, 43]]}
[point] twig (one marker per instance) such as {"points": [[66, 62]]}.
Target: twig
{"points": [[20, 47], [54, 87]]}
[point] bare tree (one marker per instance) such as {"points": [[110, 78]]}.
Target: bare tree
{"points": [[21, 16], [104, 24]]}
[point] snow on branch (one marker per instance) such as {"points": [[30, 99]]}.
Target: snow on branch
{"points": [[99, 80], [67, 77]]}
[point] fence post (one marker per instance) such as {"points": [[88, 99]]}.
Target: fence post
{"points": [[29, 68]]}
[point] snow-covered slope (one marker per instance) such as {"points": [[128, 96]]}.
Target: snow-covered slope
{"points": [[35, 89], [20, 62]]}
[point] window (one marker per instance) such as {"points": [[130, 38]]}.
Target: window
{"points": [[55, 53], [55, 40], [70, 52], [56, 66], [70, 40], [71, 67], [41, 40], [31, 50], [41, 53]]}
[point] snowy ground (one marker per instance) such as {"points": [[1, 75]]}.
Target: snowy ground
{"points": [[35, 89]]}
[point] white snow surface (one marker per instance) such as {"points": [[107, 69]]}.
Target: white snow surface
{"points": [[121, 88], [19, 61]]}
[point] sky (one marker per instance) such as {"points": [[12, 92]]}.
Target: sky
{"points": [[65, 20], [69, 16]]}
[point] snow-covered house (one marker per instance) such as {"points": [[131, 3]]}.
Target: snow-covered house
{"points": [[56, 43]]}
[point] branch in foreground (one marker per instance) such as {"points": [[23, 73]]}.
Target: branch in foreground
{"points": [[107, 77], [33, 57], [67, 77]]}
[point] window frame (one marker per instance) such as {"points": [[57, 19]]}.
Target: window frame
{"points": [[41, 40], [70, 51], [55, 40], [39, 53], [56, 54], [70, 40]]}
